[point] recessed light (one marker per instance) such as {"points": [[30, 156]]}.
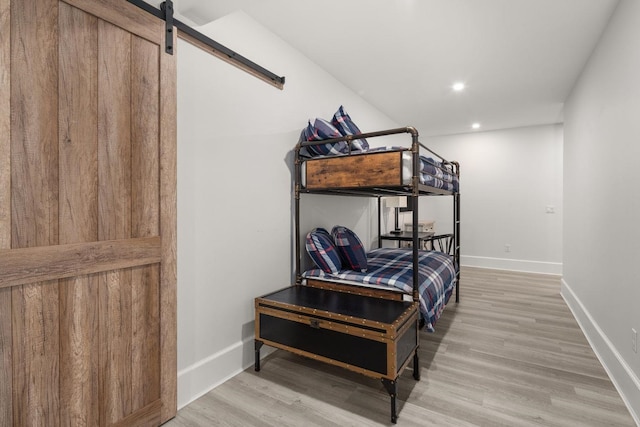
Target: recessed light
{"points": [[458, 86], [475, 126]]}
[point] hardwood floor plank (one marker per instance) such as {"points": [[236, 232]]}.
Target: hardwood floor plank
{"points": [[510, 354]]}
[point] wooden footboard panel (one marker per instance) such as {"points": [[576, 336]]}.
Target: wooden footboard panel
{"points": [[382, 169], [356, 289]]}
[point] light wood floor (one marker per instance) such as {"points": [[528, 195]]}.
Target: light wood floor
{"points": [[509, 354]]}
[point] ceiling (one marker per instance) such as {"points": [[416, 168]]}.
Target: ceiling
{"points": [[519, 59]]}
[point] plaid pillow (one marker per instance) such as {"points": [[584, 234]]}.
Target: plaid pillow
{"points": [[345, 125], [322, 129], [322, 251], [350, 248], [324, 232]]}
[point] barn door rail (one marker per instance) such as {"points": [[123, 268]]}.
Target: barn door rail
{"points": [[205, 43]]}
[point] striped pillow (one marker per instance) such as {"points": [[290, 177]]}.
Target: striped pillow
{"points": [[322, 251], [350, 248], [322, 129], [342, 121]]}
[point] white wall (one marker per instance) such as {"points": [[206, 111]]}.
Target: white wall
{"points": [[507, 180], [235, 222], [602, 200]]}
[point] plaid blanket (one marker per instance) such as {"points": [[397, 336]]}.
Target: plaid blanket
{"points": [[432, 172], [432, 181], [394, 267], [437, 175]]}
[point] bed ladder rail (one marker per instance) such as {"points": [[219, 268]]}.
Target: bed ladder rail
{"points": [[456, 241]]}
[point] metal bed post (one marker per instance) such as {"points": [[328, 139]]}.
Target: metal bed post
{"points": [[415, 191], [379, 221], [457, 243], [297, 173], [456, 230]]}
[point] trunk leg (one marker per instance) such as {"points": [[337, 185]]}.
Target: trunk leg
{"points": [[392, 389], [257, 346]]}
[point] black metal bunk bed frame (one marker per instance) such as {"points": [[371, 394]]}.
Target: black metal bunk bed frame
{"points": [[414, 191]]}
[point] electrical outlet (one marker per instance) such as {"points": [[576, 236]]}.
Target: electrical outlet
{"points": [[507, 247], [634, 340]]}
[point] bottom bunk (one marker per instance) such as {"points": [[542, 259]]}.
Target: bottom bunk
{"points": [[372, 336], [392, 269]]}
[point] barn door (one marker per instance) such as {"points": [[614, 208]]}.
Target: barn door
{"points": [[87, 215]]}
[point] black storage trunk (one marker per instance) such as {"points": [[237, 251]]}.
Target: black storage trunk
{"points": [[369, 335]]}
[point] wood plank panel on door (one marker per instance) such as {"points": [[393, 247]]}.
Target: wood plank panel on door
{"points": [[24, 266], [5, 128], [145, 214], [168, 231], [36, 346], [6, 375], [34, 204], [78, 214], [114, 169]]}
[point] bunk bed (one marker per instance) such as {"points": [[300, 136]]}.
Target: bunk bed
{"points": [[370, 326]]}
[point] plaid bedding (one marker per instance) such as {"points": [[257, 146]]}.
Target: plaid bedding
{"points": [[431, 167], [432, 181], [394, 267], [435, 174]]}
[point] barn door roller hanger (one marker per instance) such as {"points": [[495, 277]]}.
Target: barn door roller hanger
{"points": [[198, 39]]}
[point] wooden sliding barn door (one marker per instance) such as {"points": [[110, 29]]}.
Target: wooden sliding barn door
{"points": [[87, 215]]}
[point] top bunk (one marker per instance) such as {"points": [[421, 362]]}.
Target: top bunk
{"points": [[344, 166]]}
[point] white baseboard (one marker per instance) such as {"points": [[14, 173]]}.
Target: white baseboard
{"points": [[512, 264], [202, 377], [623, 378]]}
